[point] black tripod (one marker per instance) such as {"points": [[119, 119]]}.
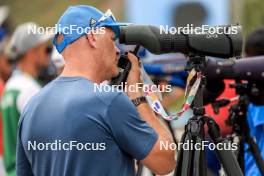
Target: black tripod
{"points": [[192, 162], [238, 120]]}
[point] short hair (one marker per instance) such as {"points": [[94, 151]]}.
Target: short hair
{"points": [[254, 45]]}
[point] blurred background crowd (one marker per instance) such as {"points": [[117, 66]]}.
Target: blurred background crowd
{"points": [[28, 62]]}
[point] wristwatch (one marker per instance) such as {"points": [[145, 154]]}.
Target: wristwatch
{"points": [[137, 101]]}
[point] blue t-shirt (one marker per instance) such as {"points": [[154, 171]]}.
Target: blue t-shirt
{"points": [[72, 129], [256, 124]]}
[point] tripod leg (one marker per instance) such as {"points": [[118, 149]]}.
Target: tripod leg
{"points": [[184, 158], [227, 157], [241, 153], [229, 161], [199, 167], [179, 158], [256, 153], [187, 156], [192, 162]]}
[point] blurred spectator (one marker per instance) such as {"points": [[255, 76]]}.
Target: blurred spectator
{"points": [[5, 71], [254, 47], [58, 60], [28, 52], [47, 74], [5, 66], [4, 28]]}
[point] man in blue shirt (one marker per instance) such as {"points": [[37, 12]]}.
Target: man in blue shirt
{"points": [[73, 128], [254, 47]]}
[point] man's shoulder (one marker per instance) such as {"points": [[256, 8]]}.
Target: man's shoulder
{"points": [[81, 94]]}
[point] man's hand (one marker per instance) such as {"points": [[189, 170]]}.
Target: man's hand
{"points": [[134, 76]]}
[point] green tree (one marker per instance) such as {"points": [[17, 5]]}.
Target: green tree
{"points": [[253, 15]]}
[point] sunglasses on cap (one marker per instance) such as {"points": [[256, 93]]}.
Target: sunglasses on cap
{"points": [[106, 16]]}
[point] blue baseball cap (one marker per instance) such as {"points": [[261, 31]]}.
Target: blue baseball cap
{"points": [[77, 21]]}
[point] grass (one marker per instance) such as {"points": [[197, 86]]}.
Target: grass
{"points": [[47, 12]]}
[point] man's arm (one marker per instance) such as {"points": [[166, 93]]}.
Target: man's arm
{"points": [[159, 160]]}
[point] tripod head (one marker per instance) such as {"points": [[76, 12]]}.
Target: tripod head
{"points": [[197, 62], [243, 90]]}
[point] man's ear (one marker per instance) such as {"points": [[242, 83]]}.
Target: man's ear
{"points": [[92, 38]]}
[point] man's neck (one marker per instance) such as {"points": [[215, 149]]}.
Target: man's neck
{"points": [[90, 74], [81, 64], [28, 68]]}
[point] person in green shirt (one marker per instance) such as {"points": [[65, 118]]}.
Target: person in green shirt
{"points": [[28, 51]]}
